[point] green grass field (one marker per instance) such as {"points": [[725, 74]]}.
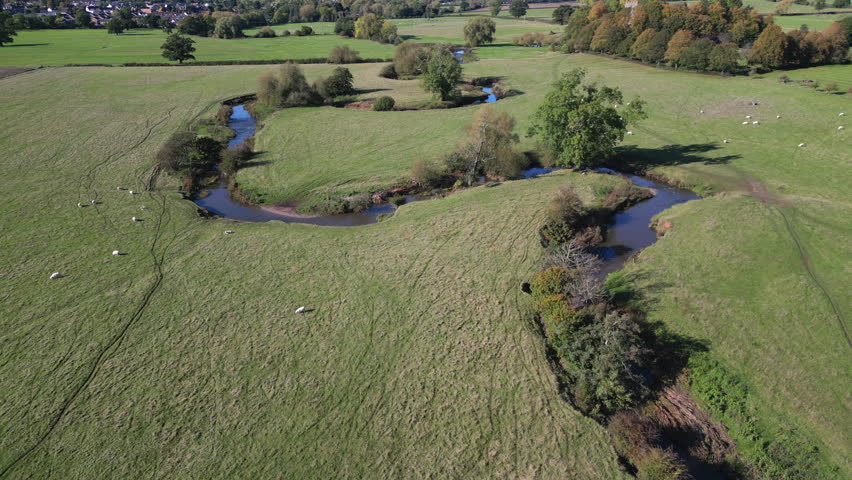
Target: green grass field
{"points": [[449, 29], [686, 146], [814, 22], [183, 358], [60, 47]]}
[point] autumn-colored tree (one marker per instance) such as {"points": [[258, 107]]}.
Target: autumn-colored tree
{"points": [[677, 45], [598, 10], [838, 36], [487, 150], [770, 49], [368, 27], [607, 36], [640, 46]]}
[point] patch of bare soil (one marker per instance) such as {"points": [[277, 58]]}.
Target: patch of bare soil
{"points": [[736, 106], [9, 71], [682, 420], [360, 105]]}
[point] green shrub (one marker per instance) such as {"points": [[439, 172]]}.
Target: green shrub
{"points": [[397, 200], [343, 54], [265, 32], [548, 282], [327, 205], [285, 33], [234, 158], [388, 71], [384, 104], [427, 173], [410, 58], [359, 202], [286, 87], [565, 206], [661, 464], [554, 311], [338, 84], [188, 154]]}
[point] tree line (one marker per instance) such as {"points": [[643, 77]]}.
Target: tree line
{"points": [[707, 35]]}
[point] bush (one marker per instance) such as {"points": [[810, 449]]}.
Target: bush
{"points": [[555, 312], [661, 464], [234, 158], [285, 33], [188, 154], [397, 200], [410, 58], [830, 87], [388, 71], [783, 78], [343, 54], [338, 84], [286, 87], [536, 39], [427, 173], [565, 207], [548, 283], [345, 27], [384, 104], [359, 202], [328, 205], [265, 32], [304, 31]]}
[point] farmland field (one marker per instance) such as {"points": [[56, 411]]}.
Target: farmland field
{"points": [[814, 22], [417, 356], [60, 47]]}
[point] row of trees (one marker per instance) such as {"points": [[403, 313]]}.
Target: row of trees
{"points": [[702, 36]]}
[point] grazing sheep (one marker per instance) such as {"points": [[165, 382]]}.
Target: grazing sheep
{"points": [[748, 116], [840, 127], [228, 232], [134, 219], [755, 122], [701, 111], [300, 310], [94, 202], [115, 253], [801, 145], [132, 192], [629, 132], [55, 275], [143, 207], [842, 114], [119, 188], [725, 141], [778, 116], [745, 123], [79, 205]]}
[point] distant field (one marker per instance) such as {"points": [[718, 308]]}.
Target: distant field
{"points": [[320, 28], [449, 29], [814, 22], [839, 74], [58, 47]]}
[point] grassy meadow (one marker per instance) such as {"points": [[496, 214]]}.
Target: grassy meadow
{"points": [[60, 47], [184, 358], [417, 357], [814, 22]]}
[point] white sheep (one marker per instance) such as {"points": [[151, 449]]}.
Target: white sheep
{"points": [[300, 310], [115, 253], [228, 232], [629, 132], [55, 275], [119, 188], [842, 114], [840, 127], [143, 207], [701, 111], [94, 202], [748, 117], [801, 145], [134, 219], [745, 123], [725, 141], [755, 122], [132, 192], [79, 205], [778, 116]]}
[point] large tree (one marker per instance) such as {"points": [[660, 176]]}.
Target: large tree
{"points": [[82, 18], [677, 45], [115, 25], [177, 47], [487, 150], [770, 49], [518, 8], [479, 31], [725, 57], [579, 122], [229, 26], [494, 6], [441, 74], [7, 30], [369, 27]]}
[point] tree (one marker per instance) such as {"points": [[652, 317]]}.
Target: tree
{"points": [[368, 27], [464, 5], [518, 8], [388, 33], [125, 16], [345, 27], [286, 87], [697, 54], [494, 6], [819, 5], [7, 31], [841, 3], [338, 84], [479, 31], [178, 47], [153, 21], [115, 25], [562, 14], [202, 25], [82, 18], [308, 13], [229, 26], [441, 74], [677, 45], [645, 49], [846, 27], [725, 57], [770, 49], [607, 36], [410, 58], [580, 123]]}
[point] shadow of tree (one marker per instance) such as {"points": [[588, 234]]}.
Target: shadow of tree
{"points": [[25, 45], [633, 158]]}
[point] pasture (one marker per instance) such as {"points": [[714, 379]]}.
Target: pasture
{"points": [[687, 146], [814, 22], [184, 357], [60, 47]]}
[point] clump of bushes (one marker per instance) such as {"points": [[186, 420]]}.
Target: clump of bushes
{"points": [[188, 154], [286, 87], [659, 464], [304, 31], [338, 84], [286, 33], [343, 54], [265, 32], [535, 39], [388, 71], [565, 217], [488, 149], [234, 158], [345, 27], [409, 59], [384, 104], [427, 173]]}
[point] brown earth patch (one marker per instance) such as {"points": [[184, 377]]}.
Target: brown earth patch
{"points": [[363, 105]]}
